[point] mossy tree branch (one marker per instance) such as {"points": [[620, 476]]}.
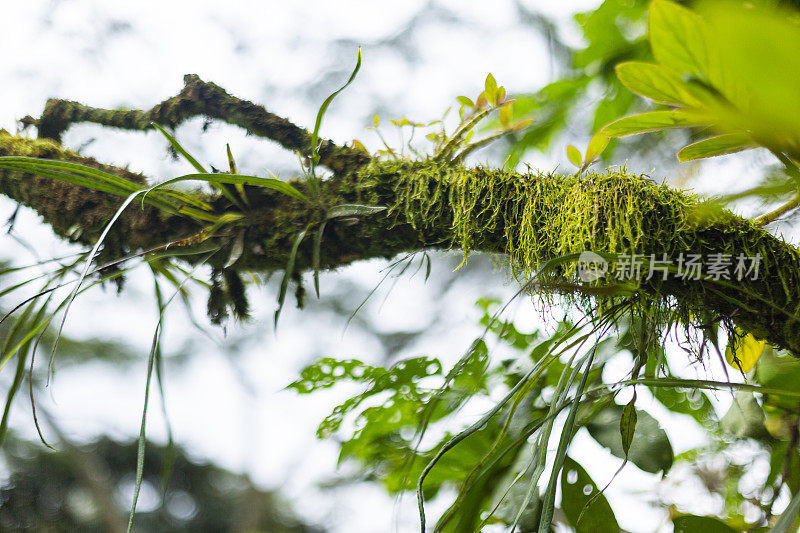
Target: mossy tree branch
{"points": [[432, 204], [198, 98]]}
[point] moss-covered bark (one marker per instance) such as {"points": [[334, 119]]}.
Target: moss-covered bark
{"points": [[530, 218], [198, 98]]}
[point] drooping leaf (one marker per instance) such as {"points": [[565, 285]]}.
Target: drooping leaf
{"points": [[287, 273], [745, 417], [700, 524], [627, 425], [466, 102], [658, 83], [353, 210], [236, 179], [778, 371], [315, 256]]}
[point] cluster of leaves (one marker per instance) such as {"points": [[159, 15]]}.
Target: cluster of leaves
{"points": [[587, 95], [454, 147], [715, 83], [492, 464], [712, 76]]}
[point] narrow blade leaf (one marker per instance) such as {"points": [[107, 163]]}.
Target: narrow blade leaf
{"points": [[652, 121], [714, 146], [353, 210]]}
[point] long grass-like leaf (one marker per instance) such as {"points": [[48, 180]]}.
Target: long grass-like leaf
{"points": [[197, 166], [548, 505], [103, 186], [33, 163], [288, 271], [787, 517], [323, 108], [7, 352], [88, 266], [234, 179], [142, 440], [169, 451], [232, 170], [315, 258], [180, 149], [353, 210]]}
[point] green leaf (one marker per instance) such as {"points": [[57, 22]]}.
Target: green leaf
{"points": [[315, 256], [700, 524], [652, 121], [287, 273], [32, 164], [627, 425], [504, 115], [577, 489], [658, 83], [232, 170], [231, 160], [236, 179], [677, 38], [720, 145], [574, 156], [324, 107], [490, 90], [353, 210], [596, 146], [779, 372], [745, 417], [466, 102], [178, 148], [650, 448]]}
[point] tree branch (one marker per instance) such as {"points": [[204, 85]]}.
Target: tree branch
{"points": [[530, 218], [198, 98]]}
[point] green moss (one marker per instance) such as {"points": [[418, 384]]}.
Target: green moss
{"points": [[532, 218]]}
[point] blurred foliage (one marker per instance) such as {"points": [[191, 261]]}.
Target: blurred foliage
{"points": [[86, 488], [587, 95], [709, 72]]}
